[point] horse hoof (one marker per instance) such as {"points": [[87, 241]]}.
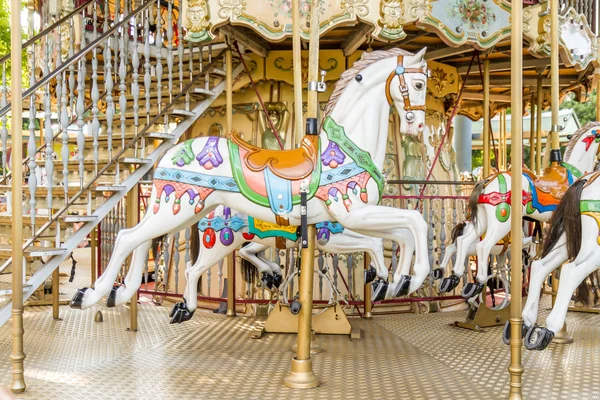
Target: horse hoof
{"points": [[538, 338], [277, 279], [506, 333], [180, 313], [403, 286], [78, 298], [267, 280], [379, 290], [437, 274], [295, 307], [370, 275], [449, 284], [112, 297], [472, 290]]}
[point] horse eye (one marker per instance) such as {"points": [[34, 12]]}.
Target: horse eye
{"points": [[419, 85]]}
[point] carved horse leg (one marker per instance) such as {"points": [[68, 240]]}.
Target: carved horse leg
{"points": [[540, 269], [133, 280], [271, 272], [463, 244], [388, 223], [152, 225], [407, 248], [571, 276]]}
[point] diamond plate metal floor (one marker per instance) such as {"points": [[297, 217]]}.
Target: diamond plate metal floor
{"points": [[211, 357]]}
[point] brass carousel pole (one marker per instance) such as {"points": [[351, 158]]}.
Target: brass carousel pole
{"points": [[229, 127], [297, 57], [132, 208], [598, 97], [515, 368], [486, 118], [562, 337], [301, 375], [17, 355], [502, 123], [538, 140], [532, 116]]}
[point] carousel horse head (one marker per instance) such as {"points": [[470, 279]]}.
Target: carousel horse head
{"points": [[406, 89], [583, 145], [404, 76]]}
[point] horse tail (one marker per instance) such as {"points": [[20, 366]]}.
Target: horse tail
{"points": [[474, 200], [156, 242], [566, 220], [458, 231], [194, 243]]}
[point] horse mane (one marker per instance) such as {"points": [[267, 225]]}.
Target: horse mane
{"points": [[348, 76], [577, 135]]}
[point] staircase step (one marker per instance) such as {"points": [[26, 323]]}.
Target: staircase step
{"points": [[81, 218], [218, 71], [202, 91], [32, 251], [160, 136], [6, 288], [110, 188], [136, 160], [182, 113]]}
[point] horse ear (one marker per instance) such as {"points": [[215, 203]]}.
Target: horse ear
{"points": [[421, 54]]}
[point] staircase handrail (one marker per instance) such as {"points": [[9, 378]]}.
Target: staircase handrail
{"points": [[50, 28], [105, 168], [79, 55]]}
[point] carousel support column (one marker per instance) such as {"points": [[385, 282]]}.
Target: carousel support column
{"points": [[55, 294], [17, 355], [133, 212], [598, 96], [515, 368], [297, 55], [229, 127], [532, 134], [486, 118], [463, 142], [367, 297], [503, 148], [93, 248], [561, 337], [301, 375], [538, 131]]}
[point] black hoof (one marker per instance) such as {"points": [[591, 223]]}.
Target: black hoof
{"points": [[78, 298], [295, 307], [180, 313], [506, 332], [449, 284], [267, 280], [437, 274], [277, 279], [403, 286], [112, 297], [370, 275], [472, 290], [379, 290], [538, 338]]}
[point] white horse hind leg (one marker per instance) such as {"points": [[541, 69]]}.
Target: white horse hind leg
{"points": [[152, 226], [250, 254], [387, 223], [407, 248], [463, 243], [540, 269], [133, 280]]}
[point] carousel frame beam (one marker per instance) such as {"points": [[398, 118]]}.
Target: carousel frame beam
{"points": [[447, 52], [505, 81], [478, 96], [355, 40], [505, 65], [245, 40]]}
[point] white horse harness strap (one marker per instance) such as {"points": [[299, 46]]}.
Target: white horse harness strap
{"points": [[399, 72]]}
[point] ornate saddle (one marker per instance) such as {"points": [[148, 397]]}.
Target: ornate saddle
{"points": [[555, 181], [292, 165]]}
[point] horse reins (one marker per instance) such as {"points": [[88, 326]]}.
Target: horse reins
{"points": [[399, 72]]}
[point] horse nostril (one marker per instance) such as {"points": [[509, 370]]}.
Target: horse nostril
{"points": [[421, 126]]}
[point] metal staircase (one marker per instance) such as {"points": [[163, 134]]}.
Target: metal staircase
{"points": [[122, 93]]}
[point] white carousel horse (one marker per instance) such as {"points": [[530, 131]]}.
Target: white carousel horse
{"points": [[452, 249], [490, 207], [225, 230], [574, 236], [338, 173]]}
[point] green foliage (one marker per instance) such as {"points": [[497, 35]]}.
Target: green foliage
{"points": [[585, 112], [5, 41]]}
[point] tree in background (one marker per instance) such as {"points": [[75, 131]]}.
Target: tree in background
{"points": [[585, 112]]}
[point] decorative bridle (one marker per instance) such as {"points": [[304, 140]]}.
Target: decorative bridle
{"points": [[399, 72]]}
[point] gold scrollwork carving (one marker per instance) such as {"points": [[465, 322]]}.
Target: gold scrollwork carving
{"points": [[355, 7], [440, 79], [332, 64], [231, 8]]}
